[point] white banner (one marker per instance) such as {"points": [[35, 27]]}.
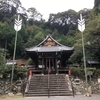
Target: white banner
{"points": [[18, 24]]}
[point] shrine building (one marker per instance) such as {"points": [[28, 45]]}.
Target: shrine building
{"points": [[50, 56]]}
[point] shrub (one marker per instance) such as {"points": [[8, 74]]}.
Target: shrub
{"points": [[30, 61], [18, 72], [77, 72], [80, 72]]}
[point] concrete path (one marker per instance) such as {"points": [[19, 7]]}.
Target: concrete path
{"points": [[77, 97]]}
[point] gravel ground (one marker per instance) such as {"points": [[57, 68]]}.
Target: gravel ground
{"points": [[77, 97]]}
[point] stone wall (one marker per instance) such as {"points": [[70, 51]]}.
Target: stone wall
{"points": [[17, 87], [80, 86]]}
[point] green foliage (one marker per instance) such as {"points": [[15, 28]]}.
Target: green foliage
{"points": [[19, 72], [68, 41], [97, 72], [97, 6], [2, 57], [35, 37], [93, 37], [34, 15], [77, 72], [91, 41], [6, 70], [80, 72], [62, 26], [30, 61]]}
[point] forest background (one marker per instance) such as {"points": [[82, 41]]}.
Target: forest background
{"points": [[62, 27]]}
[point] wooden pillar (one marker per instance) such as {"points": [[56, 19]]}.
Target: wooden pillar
{"points": [[53, 63], [46, 63], [36, 63], [56, 65], [61, 62], [42, 65], [49, 69]]}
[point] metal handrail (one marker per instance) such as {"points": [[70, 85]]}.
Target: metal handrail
{"points": [[48, 83]]}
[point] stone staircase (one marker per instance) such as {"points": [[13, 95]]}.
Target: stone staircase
{"points": [[49, 85]]}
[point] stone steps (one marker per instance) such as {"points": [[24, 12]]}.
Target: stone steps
{"points": [[58, 86]]}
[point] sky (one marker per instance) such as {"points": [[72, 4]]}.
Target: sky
{"points": [[45, 7]]}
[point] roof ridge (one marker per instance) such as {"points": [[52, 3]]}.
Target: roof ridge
{"points": [[51, 38]]}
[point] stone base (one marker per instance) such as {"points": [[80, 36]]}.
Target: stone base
{"points": [[18, 94], [10, 94], [87, 95], [78, 93]]}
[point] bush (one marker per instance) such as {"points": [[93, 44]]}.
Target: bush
{"points": [[18, 72], [97, 72], [30, 61], [77, 72], [80, 72]]}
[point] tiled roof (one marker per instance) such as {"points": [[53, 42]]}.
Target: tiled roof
{"points": [[50, 49]]}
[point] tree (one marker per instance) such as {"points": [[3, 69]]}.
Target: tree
{"points": [[6, 36], [34, 14], [97, 6], [97, 3], [2, 61]]}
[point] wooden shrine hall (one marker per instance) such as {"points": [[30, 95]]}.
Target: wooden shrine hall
{"points": [[50, 56]]}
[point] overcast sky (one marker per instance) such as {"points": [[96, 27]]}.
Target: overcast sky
{"points": [[45, 7]]}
